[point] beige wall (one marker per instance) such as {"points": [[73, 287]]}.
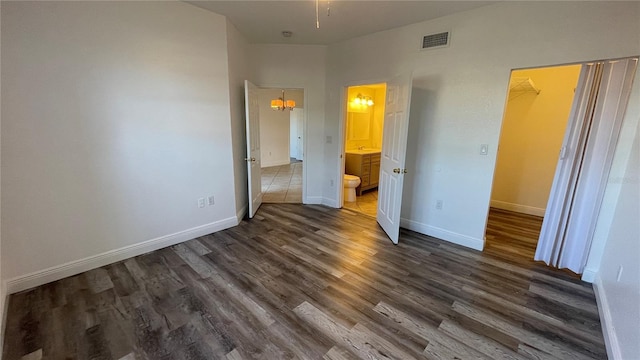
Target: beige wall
{"points": [[532, 132]]}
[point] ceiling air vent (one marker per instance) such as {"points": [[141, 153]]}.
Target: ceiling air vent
{"points": [[435, 40]]}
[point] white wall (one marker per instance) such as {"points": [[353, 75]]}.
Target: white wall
{"points": [[619, 300], [275, 126], [302, 67], [239, 70], [463, 89], [115, 121]]}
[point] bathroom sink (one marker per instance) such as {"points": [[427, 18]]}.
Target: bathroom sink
{"points": [[364, 151]]}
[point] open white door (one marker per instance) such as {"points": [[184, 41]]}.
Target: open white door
{"points": [[299, 113], [253, 146], [578, 188], [394, 147], [295, 135]]}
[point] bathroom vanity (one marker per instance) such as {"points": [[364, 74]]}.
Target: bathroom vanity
{"points": [[365, 164]]}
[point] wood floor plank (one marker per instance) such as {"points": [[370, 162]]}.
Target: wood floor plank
{"points": [[427, 332], [537, 321], [99, 280], [194, 260], [558, 350], [437, 351], [358, 340], [338, 353], [566, 298], [481, 343], [310, 282]]}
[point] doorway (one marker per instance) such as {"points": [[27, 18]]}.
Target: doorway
{"points": [[538, 106], [363, 136], [281, 167], [583, 162]]}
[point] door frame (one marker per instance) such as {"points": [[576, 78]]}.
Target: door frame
{"points": [[342, 134], [304, 128]]}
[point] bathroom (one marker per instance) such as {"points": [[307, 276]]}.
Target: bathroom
{"points": [[363, 143]]}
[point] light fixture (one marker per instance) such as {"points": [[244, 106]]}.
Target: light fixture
{"points": [[363, 100], [282, 104], [318, 12]]}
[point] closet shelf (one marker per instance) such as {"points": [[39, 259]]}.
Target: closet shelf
{"points": [[520, 86]]}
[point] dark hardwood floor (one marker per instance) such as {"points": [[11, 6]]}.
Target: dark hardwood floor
{"points": [[512, 234], [309, 282]]}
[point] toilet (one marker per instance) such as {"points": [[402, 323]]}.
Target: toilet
{"points": [[350, 184]]}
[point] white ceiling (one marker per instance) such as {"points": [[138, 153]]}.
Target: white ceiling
{"points": [[263, 21]]}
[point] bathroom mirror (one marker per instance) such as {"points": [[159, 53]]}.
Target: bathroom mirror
{"points": [[358, 125]]}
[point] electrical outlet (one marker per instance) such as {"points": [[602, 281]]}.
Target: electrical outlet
{"points": [[439, 204], [201, 202], [211, 200], [331, 182]]}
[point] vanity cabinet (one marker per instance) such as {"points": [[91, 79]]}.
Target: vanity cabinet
{"points": [[364, 166]]}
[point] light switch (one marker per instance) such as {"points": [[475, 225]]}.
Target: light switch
{"points": [[484, 149]]}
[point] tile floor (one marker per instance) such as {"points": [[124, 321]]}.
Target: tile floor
{"points": [[282, 184], [367, 203]]}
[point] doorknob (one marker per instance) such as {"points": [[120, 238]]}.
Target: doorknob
{"points": [[252, 159], [396, 170], [404, 171]]}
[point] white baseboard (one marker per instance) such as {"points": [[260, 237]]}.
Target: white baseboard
{"points": [[524, 209], [589, 275], [313, 200], [241, 213], [443, 234], [608, 331], [75, 267]]}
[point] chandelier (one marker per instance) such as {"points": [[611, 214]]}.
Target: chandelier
{"points": [[282, 104]]}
